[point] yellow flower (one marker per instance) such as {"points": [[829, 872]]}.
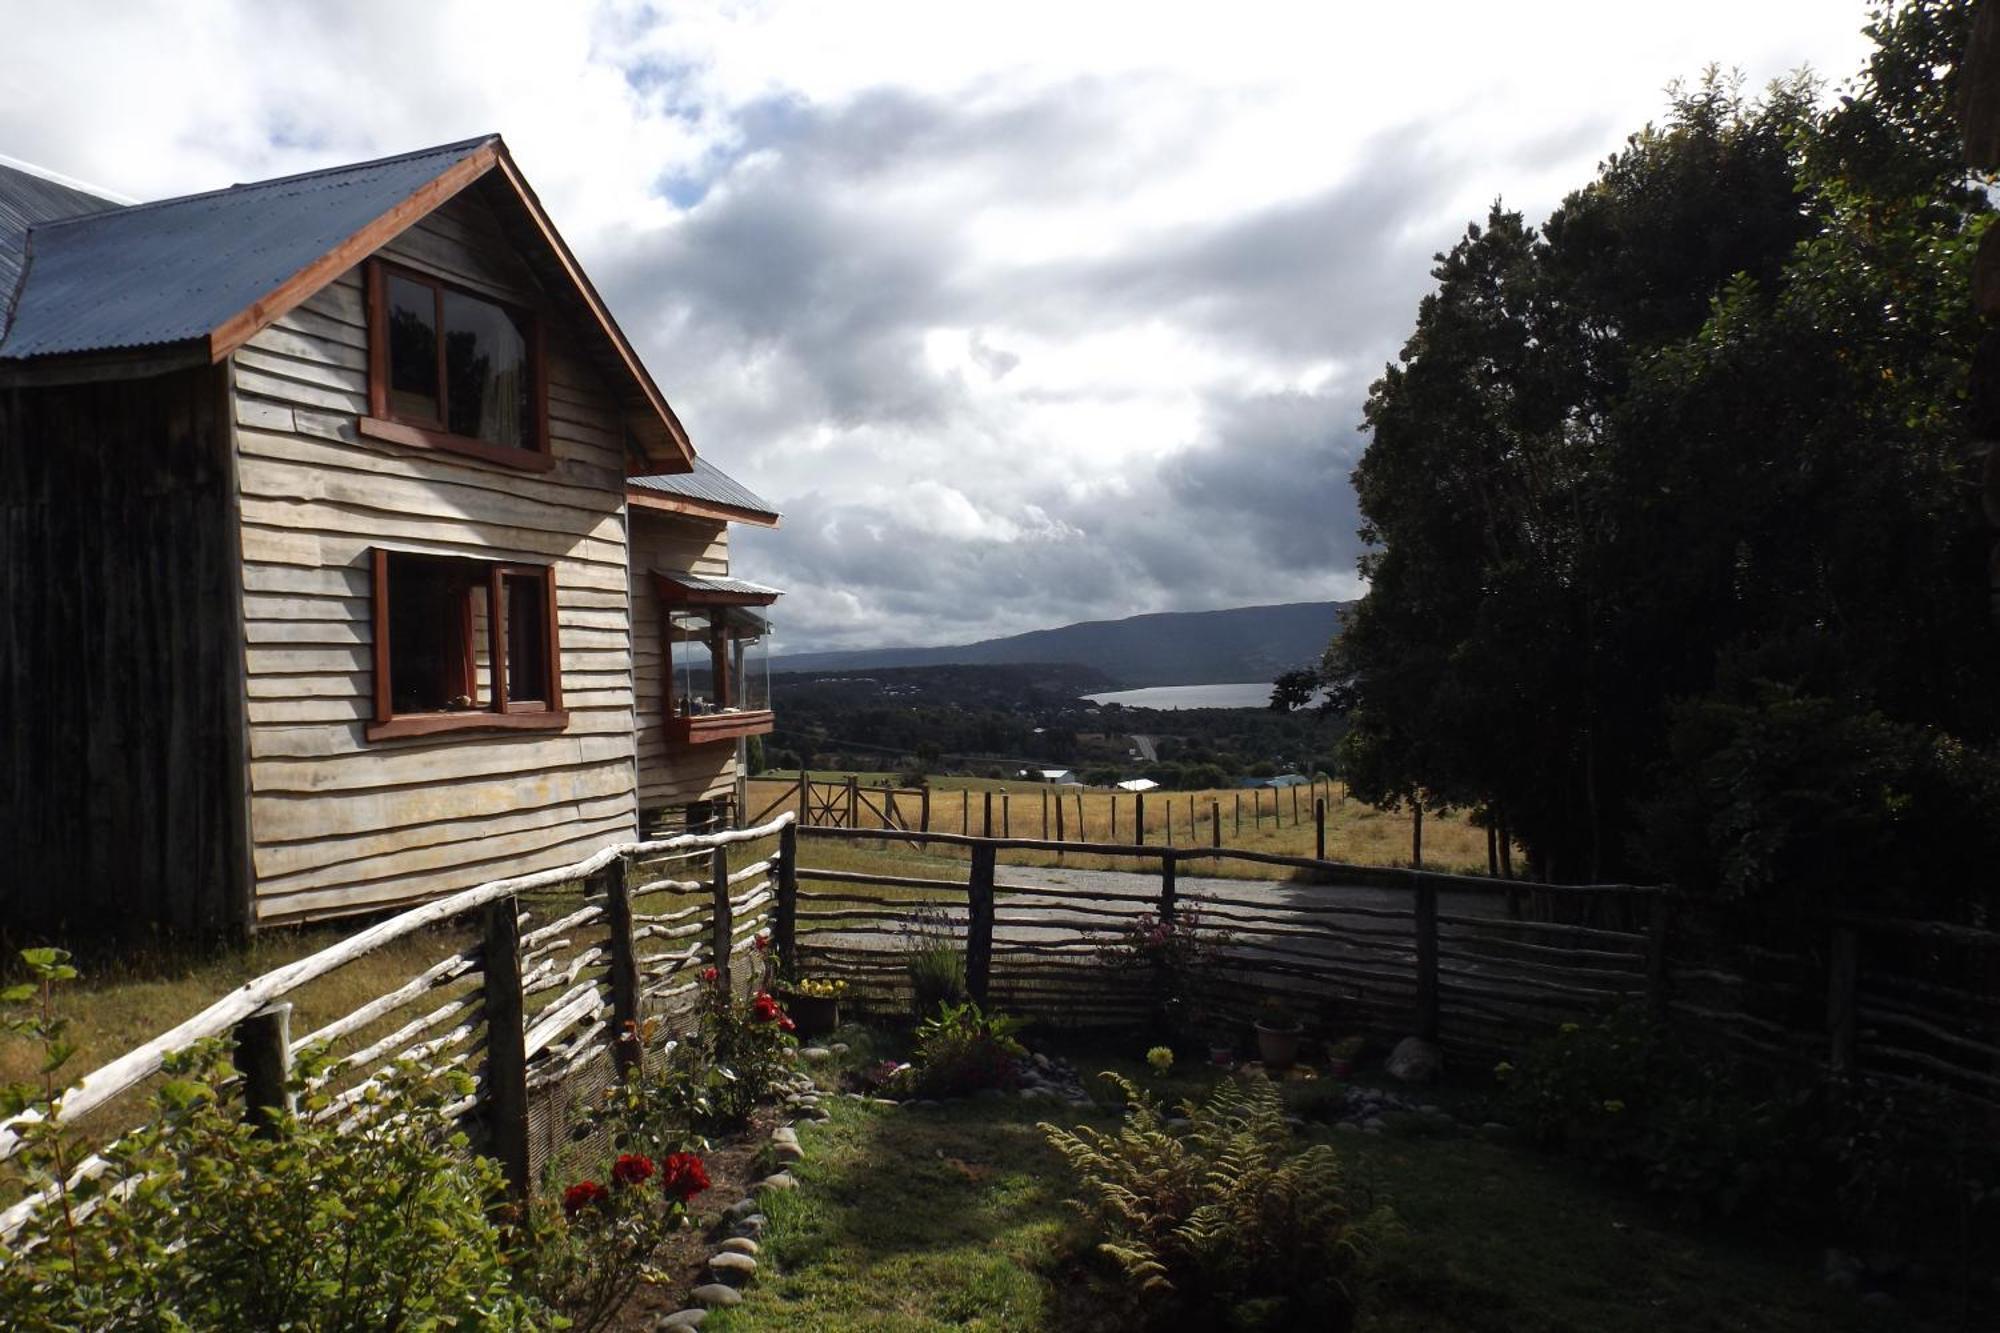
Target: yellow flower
{"points": [[1161, 1058], [1568, 1028], [1501, 1070], [1614, 1106]]}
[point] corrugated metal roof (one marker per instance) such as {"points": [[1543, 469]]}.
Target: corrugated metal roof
{"points": [[707, 482], [174, 270], [27, 200], [712, 583]]}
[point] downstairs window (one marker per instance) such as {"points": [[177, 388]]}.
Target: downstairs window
{"points": [[463, 645]]}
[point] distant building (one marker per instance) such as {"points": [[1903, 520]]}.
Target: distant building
{"points": [[1137, 784]]}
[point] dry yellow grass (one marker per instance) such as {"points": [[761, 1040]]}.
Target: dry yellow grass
{"points": [[1355, 832]]}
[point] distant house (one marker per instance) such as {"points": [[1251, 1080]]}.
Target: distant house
{"points": [[1059, 775], [1137, 784], [1282, 781], [352, 555]]}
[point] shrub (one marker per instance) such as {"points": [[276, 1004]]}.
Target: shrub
{"points": [[1226, 1218], [594, 1247], [1176, 956], [933, 960], [202, 1221], [739, 1049], [962, 1050]]}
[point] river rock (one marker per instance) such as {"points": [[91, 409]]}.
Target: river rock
{"points": [[815, 1054], [1415, 1061], [681, 1319], [732, 1267], [783, 1180], [740, 1245], [717, 1294]]}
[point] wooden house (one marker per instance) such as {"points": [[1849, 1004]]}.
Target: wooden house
{"points": [[348, 553]]}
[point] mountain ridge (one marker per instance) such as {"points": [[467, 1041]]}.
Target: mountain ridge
{"points": [[1157, 648]]}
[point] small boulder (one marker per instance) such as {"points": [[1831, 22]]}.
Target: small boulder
{"points": [[753, 1225], [1415, 1061], [739, 1210], [838, 1048], [815, 1054], [681, 1319], [789, 1152], [740, 1245], [732, 1267], [717, 1294], [781, 1181]]}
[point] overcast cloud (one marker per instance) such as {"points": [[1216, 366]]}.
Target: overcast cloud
{"points": [[1023, 314]]}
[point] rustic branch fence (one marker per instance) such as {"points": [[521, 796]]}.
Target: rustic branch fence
{"points": [[534, 1009], [1391, 952]]}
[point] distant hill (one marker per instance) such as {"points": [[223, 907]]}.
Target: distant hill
{"points": [[1166, 648]]}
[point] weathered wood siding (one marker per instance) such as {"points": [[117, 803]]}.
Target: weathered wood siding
{"points": [[121, 804], [671, 775], [338, 823]]}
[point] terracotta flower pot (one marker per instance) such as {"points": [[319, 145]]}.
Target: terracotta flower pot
{"points": [[1278, 1048]]}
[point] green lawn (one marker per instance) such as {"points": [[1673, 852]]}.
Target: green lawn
{"points": [[914, 1219]]}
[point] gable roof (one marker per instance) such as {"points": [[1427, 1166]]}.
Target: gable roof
{"points": [[707, 491], [26, 200], [207, 271]]}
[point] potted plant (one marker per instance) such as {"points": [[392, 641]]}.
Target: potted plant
{"points": [[1277, 1035], [815, 1004], [1343, 1054]]}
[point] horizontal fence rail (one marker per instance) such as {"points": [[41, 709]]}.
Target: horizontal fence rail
{"points": [[547, 972]]}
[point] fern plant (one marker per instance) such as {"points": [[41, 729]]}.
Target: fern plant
{"points": [[1227, 1212]]}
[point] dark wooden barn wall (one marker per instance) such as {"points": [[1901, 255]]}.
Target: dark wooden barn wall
{"points": [[121, 800]]}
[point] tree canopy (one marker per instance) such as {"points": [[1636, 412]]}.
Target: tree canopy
{"points": [[1690, 463]]}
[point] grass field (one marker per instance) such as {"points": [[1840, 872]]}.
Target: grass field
{"points": [[914, 1219], [1279, 821]]}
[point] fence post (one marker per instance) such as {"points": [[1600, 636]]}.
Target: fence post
{"points": [[805, 797], [1427, 960], [1006, 820], [891, 816], [623, 973], [1114, 814], [1295, 805], [986, 829], [924, 806], [853, 801], [1082, 831], [1167, 887], [506, 1046], [264, 1058], [1657, 931], [1843, 971], [1214, 822], [965, 811], [1045, 814], [979, 923], [1139, 816], [1059, 819], [721, 926], [1416, 835], [785, 930], [1319, 828]]}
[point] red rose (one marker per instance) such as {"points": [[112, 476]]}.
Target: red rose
{"points": [[683, 1176], [631, 1168], [762, 942], [583, 1195], [709, 975], [765, 1008]]}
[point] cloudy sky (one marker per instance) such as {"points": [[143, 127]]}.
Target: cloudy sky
{"points": [[1022, 313]]}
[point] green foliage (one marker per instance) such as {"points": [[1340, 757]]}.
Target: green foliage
{"points": [[959, 1050], [1714, 1137], [1711, 418], [1178, 956], [932, 960], [1227, 1217], [377, 1221], [711, 1081]]}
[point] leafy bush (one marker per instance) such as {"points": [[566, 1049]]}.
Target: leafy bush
{"points": [[594, 1247], [933, 960], [962, 1050], [1177, 956], [202, 1220], [1226, 1218], [739, 1049]]}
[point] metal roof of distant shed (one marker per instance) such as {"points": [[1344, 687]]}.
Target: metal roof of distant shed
{"points": [[172, 271], [30, 200], [708, 484]]}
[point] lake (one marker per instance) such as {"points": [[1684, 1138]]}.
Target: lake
{"points": [[1242, 694]]}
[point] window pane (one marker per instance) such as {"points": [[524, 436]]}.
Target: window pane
{"points": [[689, 637], [486, 372], [527, 640], [412, 348], [430, 634]]}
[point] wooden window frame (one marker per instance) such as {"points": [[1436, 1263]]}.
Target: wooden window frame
{"points": [[384, 423], [695, 729], [500, 713]]}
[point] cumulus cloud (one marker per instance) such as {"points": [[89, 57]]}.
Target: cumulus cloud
{"points": [[1023, 314]]}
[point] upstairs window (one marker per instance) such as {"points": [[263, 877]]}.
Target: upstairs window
{"points": [[463, 644], [453, 370]]}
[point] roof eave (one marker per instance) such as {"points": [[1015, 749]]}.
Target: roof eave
{"points": [[678, 504]]}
